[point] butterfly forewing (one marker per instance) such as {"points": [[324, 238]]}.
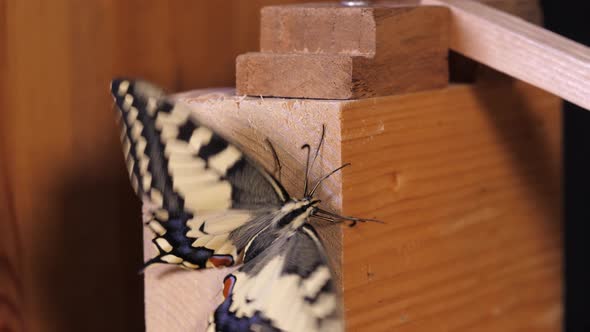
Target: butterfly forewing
{"points": [[199, 186]]}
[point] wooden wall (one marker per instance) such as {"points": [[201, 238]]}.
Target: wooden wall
{"points": [[70, 231]]}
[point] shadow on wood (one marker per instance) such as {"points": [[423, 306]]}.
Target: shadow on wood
{"points": [[529, 138], [90, 252]]}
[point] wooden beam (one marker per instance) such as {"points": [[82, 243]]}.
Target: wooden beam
{"points": [[520, 49], [329, 51]]}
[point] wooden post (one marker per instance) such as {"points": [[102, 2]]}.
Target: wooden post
{"points": [[465, 177]]}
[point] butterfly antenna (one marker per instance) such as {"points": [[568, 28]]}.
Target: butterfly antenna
{"points": [[317, 151], [325, 177], [307, 164], [278, 166], [306, 146]]}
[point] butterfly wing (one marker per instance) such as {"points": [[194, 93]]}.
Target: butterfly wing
{"points": [[286, 286], [198, 186]]}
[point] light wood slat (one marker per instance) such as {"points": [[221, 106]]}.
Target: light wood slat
{"points": [[520, 49]]}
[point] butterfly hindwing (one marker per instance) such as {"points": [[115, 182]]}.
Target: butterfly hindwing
{"points": [[199, 187], [286, 286]]}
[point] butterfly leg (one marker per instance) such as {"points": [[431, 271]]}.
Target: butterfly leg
{"points": [[334, 221], [336, 217]]}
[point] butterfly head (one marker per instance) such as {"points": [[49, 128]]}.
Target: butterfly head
{"points": [[296, 212]]}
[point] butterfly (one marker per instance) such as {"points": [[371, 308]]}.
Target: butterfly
{"points": [[210, 205]]}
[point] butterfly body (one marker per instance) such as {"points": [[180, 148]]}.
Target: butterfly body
{"points": [[209, 205]]}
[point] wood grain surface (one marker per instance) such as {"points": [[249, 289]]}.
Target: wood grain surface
{"points": [[70, 231], [468, 181]]}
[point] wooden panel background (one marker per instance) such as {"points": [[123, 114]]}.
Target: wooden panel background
{"points": [[70, 231]]}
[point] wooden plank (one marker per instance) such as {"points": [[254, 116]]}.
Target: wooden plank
{"points": [[467, 180], [335, 52], [520, 49], [318, 29], [317, 76]]}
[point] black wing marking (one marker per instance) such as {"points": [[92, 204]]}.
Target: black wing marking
{"points": [[285, 287], [199, 186]]}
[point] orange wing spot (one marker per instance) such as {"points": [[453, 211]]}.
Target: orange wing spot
{"points": [[228, 285], [221, 260]]}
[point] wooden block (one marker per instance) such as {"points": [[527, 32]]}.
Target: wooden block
{"points": [[319, 29], [318, 75], [334, 52], [466, 179]]}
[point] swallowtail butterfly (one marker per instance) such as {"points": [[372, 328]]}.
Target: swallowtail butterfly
{"points": [[211, 205]]}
